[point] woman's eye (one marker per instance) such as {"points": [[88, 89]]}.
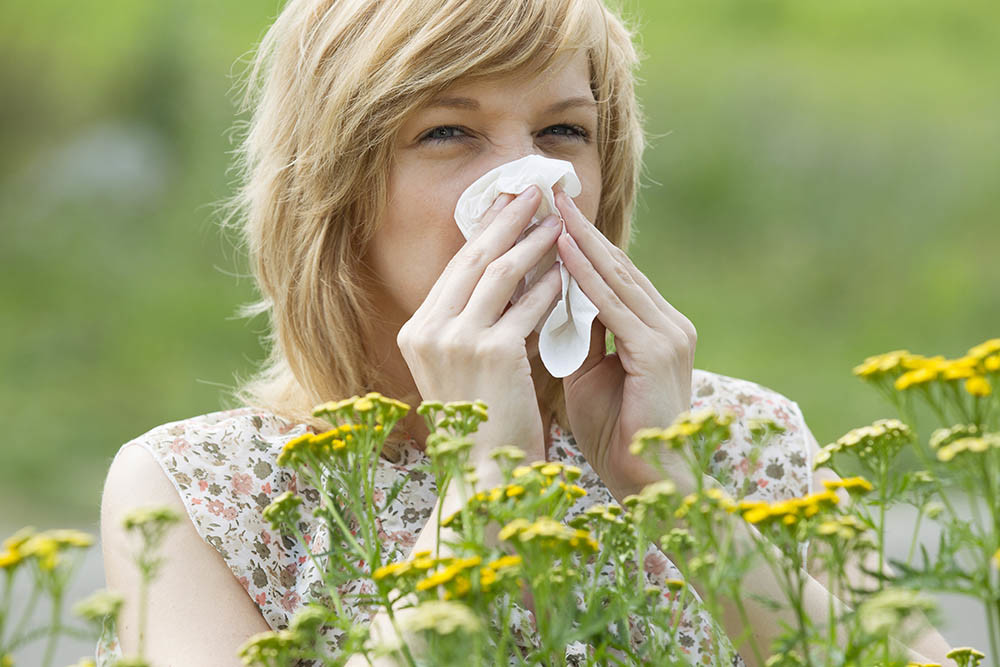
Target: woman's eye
{"points": [[571, 131], [443, 133]]}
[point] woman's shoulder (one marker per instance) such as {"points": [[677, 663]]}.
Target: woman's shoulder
{"points": [[743, 399], [222, 467], [768, 463], [222, 464]]}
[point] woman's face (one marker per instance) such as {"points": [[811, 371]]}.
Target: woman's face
{"points": [[465, 132]]}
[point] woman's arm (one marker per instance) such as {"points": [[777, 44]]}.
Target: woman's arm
{"points": [[198, 613]]}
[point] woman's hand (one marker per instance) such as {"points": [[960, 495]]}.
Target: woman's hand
{"points": [[461, 343], [647, 381]]}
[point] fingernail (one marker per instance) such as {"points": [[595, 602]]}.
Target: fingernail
{"points": [[551, 221], [502, 201], [529, 194]]}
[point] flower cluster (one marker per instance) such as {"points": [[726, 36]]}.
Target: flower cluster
{"points": [[549, 535], [907, 371], [283, 511], [453, 577], [788, 512], [883, 439], [45, 548], [372, 409], [455, 417], [978, 445], [688, 425], [965, 656]]}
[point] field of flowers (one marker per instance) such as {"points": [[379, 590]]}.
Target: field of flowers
{"points": [[507, 556]]}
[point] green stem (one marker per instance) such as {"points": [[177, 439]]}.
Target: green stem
{"points": [[405, 647], [55, 626], [8, 586], [29, 611], [916, 532], [748, 627], [143, 604], [883, 498], [993, 622]]}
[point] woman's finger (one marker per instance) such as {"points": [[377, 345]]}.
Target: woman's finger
{"points": [[502, 276], [611, 310], [614, 265], [451, 291], [522, 317]]}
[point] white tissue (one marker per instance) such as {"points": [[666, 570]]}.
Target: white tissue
{"points": [[564, 337]]}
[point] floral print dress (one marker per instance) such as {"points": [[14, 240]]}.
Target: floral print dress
{"points": [[223, 467]]}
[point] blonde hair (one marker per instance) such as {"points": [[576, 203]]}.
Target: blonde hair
{"points": [[328, 88]]}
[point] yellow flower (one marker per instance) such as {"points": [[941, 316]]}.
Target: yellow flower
{"points": [[99, 605], [923, 664], [10, 558], [992, 363], [550, 469], [996, 558], [959, 369], [978, 386], [967, 444], [916, 377], [985, 348], [852, 485], [504, 562], [392, 570], [442, 576], [513, 528], [882, 363], [514, 490], [965, 656], [675, 584]]}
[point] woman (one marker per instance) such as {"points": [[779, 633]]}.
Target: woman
{"points": [[370, 118]]}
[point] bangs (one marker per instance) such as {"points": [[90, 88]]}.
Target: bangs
{"points": [[499, 37]]}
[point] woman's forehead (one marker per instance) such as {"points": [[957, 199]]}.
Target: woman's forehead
{"points": [[564, 83]]}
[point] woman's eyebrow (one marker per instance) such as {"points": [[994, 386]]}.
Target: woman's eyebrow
{"points": [[470, 104]]}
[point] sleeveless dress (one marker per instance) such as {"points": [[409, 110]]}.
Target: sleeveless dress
{"points": [[223, 467]]}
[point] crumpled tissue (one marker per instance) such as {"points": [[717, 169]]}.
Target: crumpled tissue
{"points": [[564, 336]]}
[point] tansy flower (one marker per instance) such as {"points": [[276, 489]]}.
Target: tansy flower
{"points": [[985, 348], [944, 436], [965, 656], [978, 386], [675, 584], [442, 617], [885, 437], [881, 363], [992, 363], [283, 511], [976, 445], [99, 605], [853, 485]]}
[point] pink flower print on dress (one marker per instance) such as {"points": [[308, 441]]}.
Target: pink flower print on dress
{"points": [[290, 601], [215, 507], [242, 484], [179, 445], [229, 513]]}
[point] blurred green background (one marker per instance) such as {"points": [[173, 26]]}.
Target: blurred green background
{"points": [[823, 183]]}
